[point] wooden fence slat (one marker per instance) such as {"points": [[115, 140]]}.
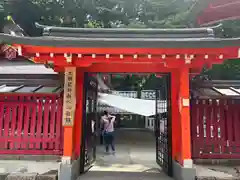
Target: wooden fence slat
{"points": [[236, 126], [7, 120], [229, 126], [1, 118], [201, 119], [39, 123], [207, 127], [46, 121], [59, 129], [13, 125], [195, 128], [33, 124], [26, 124], [222, 125], [20, 124], [53, 123], [215, 126]]}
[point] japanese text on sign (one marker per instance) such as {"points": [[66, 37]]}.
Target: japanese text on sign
{"points": [[69, 96]]}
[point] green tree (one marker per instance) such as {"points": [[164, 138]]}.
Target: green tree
{"points": [[107, 13]]}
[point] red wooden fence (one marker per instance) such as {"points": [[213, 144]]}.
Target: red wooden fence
{"points": [[31, 124], [215, 129]]}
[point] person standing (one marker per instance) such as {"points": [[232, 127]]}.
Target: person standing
{"points": [[108, 121]]}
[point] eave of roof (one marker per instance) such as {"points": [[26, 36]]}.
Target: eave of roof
{"points": [[216, 89], [122, 42], [20, 66]]}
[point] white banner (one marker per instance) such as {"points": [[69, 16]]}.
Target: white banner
{"points": [[132, 105]]}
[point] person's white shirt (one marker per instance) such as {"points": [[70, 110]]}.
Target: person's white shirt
{"points": [[108, 124], [93, 123]]}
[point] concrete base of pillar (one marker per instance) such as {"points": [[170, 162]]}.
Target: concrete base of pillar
{"points": [[182, 173], [69, 171]]}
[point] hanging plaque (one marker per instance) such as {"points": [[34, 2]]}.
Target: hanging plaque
{"points": [[69, 103]]}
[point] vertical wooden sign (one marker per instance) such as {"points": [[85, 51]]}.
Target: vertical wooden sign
{"points": [[69, 101]]}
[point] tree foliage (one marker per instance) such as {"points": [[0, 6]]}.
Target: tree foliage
{"points": [[103, 13]]}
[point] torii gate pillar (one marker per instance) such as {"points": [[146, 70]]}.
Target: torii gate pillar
{"points": [[181, 129], [72, 123]]}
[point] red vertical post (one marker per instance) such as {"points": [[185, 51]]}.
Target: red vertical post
{"points": [[26, 125], [175, 115], [46, 122], [185, 125], [194, 126], [7, 124], [79, 112], [59, 128], [13, 125], [20, 123], [52, 121], [39, 122], [33, 123], [69, 109]]}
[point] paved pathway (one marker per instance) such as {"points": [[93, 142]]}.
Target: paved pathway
{"points": [[135, 159], [123, 176]]}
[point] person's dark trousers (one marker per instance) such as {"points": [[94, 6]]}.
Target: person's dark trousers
{"points": [[109, 141], [101, 137]]}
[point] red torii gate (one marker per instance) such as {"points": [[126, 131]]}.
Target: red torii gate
{"points": [[177, 52]]}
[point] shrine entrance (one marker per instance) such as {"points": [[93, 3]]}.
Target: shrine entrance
{"points": [[180, 52], [93, 157]]}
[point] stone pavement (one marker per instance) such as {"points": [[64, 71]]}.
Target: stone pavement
{"points": [[123, 176], [218, 172], [135, 159], [136, 155], [28, 170], [130, 162]]}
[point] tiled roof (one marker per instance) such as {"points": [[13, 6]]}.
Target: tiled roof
{"points": [[215, 88]]}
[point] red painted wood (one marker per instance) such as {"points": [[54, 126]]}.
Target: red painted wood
{"points": [[33, 123], [46, 123], [31, 152], [53, 122], [13, 124], [26, 125], [229, 126], [215, 125], [201, 139], [235, 121], [194, 126], [28, 49], [59, 128], [39, 122], [222, 124], [7, 121], [170, 62], [1, 123], [20, 125], [224, 116]]}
